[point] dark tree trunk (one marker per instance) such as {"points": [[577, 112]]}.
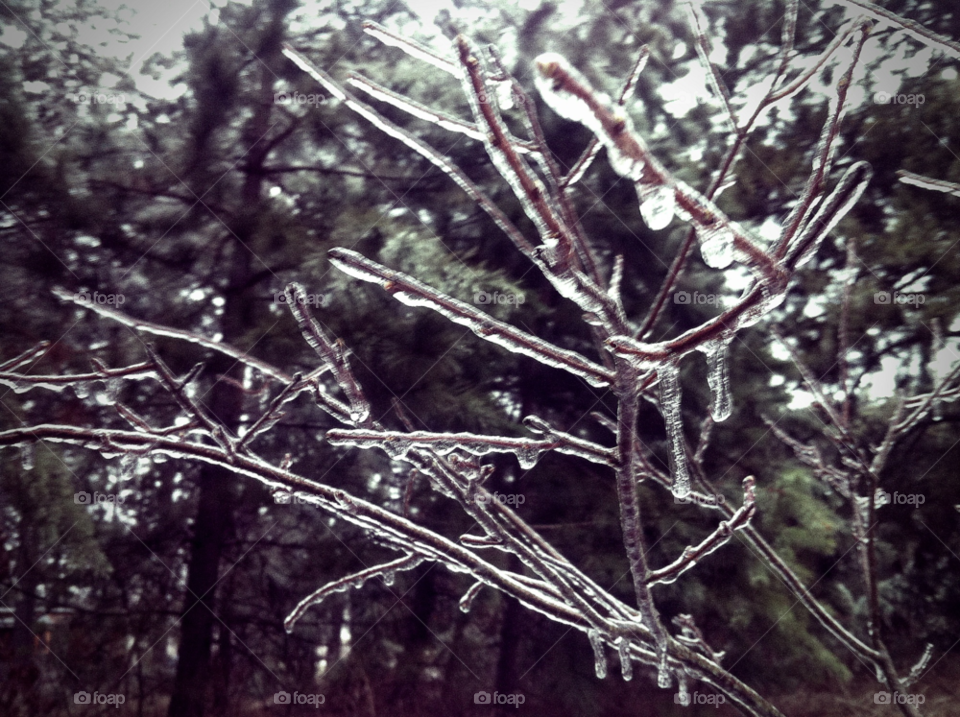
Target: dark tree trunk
{"points": [[219, 488]]}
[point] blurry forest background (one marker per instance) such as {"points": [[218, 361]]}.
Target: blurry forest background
{"points": [[198, 207]]}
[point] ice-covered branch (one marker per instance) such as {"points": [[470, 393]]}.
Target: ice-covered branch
{"points": [[412, 292], [583, 163], [425, 150], [332, 353], [527, 450], [387, 571], [441, 119], [937, 185], [411, 47], [914, 29], [713, 74], [661, 196], [823, 159], [719, 537]]}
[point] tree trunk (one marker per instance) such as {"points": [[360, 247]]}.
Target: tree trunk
{"points": [[217, 486]]}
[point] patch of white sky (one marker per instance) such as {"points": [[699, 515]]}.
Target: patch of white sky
{"points": [[157, 27]]}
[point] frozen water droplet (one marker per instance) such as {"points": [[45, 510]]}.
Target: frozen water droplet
{"points": [[159, 458], [669, 375], [716, 246], [504, 95], [626, 666], [657, 205], [718, 378], [528, 457], [27, 456], [113, 389], [82, 389], [388, 577], [599, 659]]}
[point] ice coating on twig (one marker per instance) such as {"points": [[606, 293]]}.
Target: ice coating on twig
{"points": [[356, 580], [937, 185], [834, 208], [466, 602], [914, 29], [412, 292], [528, 451], [414, 49]]}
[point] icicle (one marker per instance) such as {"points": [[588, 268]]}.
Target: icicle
{"points": [[683, 693], [626, 666], [657, 205], [669, 375], [466, 602], [718, 378], [716, 246], [27, 456], [599, 659], [128, 464], [663, 673], [878, 673]]}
